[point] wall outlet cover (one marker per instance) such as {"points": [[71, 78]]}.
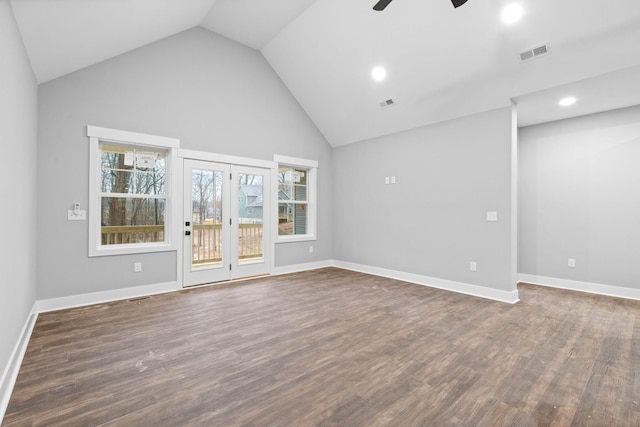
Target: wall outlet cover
{"points": [[72, 216]]}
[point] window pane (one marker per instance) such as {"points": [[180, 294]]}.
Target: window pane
{"points": [[126, 220], [118, 181], [300, 219], [150, 183], [300, 192], [150, 161], [284, 191], [299, 176], [128, 170], [292, 183], [292, 219], [116, 157]]}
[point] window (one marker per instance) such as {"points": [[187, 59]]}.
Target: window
{"points": [[296, 199], [133, 194], [130, 206]]}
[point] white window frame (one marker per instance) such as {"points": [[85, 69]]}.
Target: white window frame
{"points": [[170, 145], [312, 186]]}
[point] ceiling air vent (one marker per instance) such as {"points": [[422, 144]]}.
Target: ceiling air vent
{"points": [[535, 52], [387, 103]]}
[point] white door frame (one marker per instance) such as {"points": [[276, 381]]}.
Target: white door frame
{"points": [[271, 228], [210, 273]]}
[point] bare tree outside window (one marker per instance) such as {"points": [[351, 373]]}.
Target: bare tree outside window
{"points": [[133, 194]]}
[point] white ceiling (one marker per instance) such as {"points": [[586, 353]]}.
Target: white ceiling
{"points": [[442, 62], [253, 22], [62, 36], [610, 91]]}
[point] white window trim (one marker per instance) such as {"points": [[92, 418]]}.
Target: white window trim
{"points": [[312, 206], [99, 134], [224, 158]]}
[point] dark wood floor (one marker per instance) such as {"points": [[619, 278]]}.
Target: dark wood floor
{"points": [[334, 348]]}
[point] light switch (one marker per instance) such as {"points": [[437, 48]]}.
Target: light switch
{"points": [[393, 179], [386, 179], [492, 216]]}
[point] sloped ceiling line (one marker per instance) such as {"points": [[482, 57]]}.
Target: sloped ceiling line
{"points": [[441, 62]]}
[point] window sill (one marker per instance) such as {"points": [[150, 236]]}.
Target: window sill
{"points": [[130, 249], [300, 238]]}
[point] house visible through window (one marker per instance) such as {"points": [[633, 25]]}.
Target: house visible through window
{"points": [[292, 201], [296, 198]]}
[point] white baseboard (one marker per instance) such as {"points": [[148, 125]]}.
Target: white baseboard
{"points": [[10, 373], [510, 297], [72, 301], [286, 269], [575, 285]]}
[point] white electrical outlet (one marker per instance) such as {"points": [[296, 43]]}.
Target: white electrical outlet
{"points": [[473, 266], [137, 267], [393, 179], [310, 249], [572, 263], [492, 216], [386, 179], [76, 215]]}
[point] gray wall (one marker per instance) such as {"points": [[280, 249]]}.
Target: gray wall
{"points": [[18, 121], [432, 222], [213, 94], [580, 198]]}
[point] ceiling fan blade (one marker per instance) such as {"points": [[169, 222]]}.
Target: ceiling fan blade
{"points": [[382, 4], [458, 3]]}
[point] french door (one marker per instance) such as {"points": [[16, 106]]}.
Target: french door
{"points": [[226, 222]]}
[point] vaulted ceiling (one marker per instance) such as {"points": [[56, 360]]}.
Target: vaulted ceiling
{"points": [[441, 62]]}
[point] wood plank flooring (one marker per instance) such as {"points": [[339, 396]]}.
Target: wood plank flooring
{"points": [[332, 347]]}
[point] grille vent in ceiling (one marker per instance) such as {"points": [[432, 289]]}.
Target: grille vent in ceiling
{"points": [[387, 103], [535, 52]]}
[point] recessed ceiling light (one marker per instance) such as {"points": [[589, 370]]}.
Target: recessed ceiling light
{"points": [[568, 101], [512, 13], [378, 74]]}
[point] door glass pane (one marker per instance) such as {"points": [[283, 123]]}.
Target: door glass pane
{"points": [[206, 219], [250, 223]]}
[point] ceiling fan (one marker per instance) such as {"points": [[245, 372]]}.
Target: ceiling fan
{"points": [[384, 3]]}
